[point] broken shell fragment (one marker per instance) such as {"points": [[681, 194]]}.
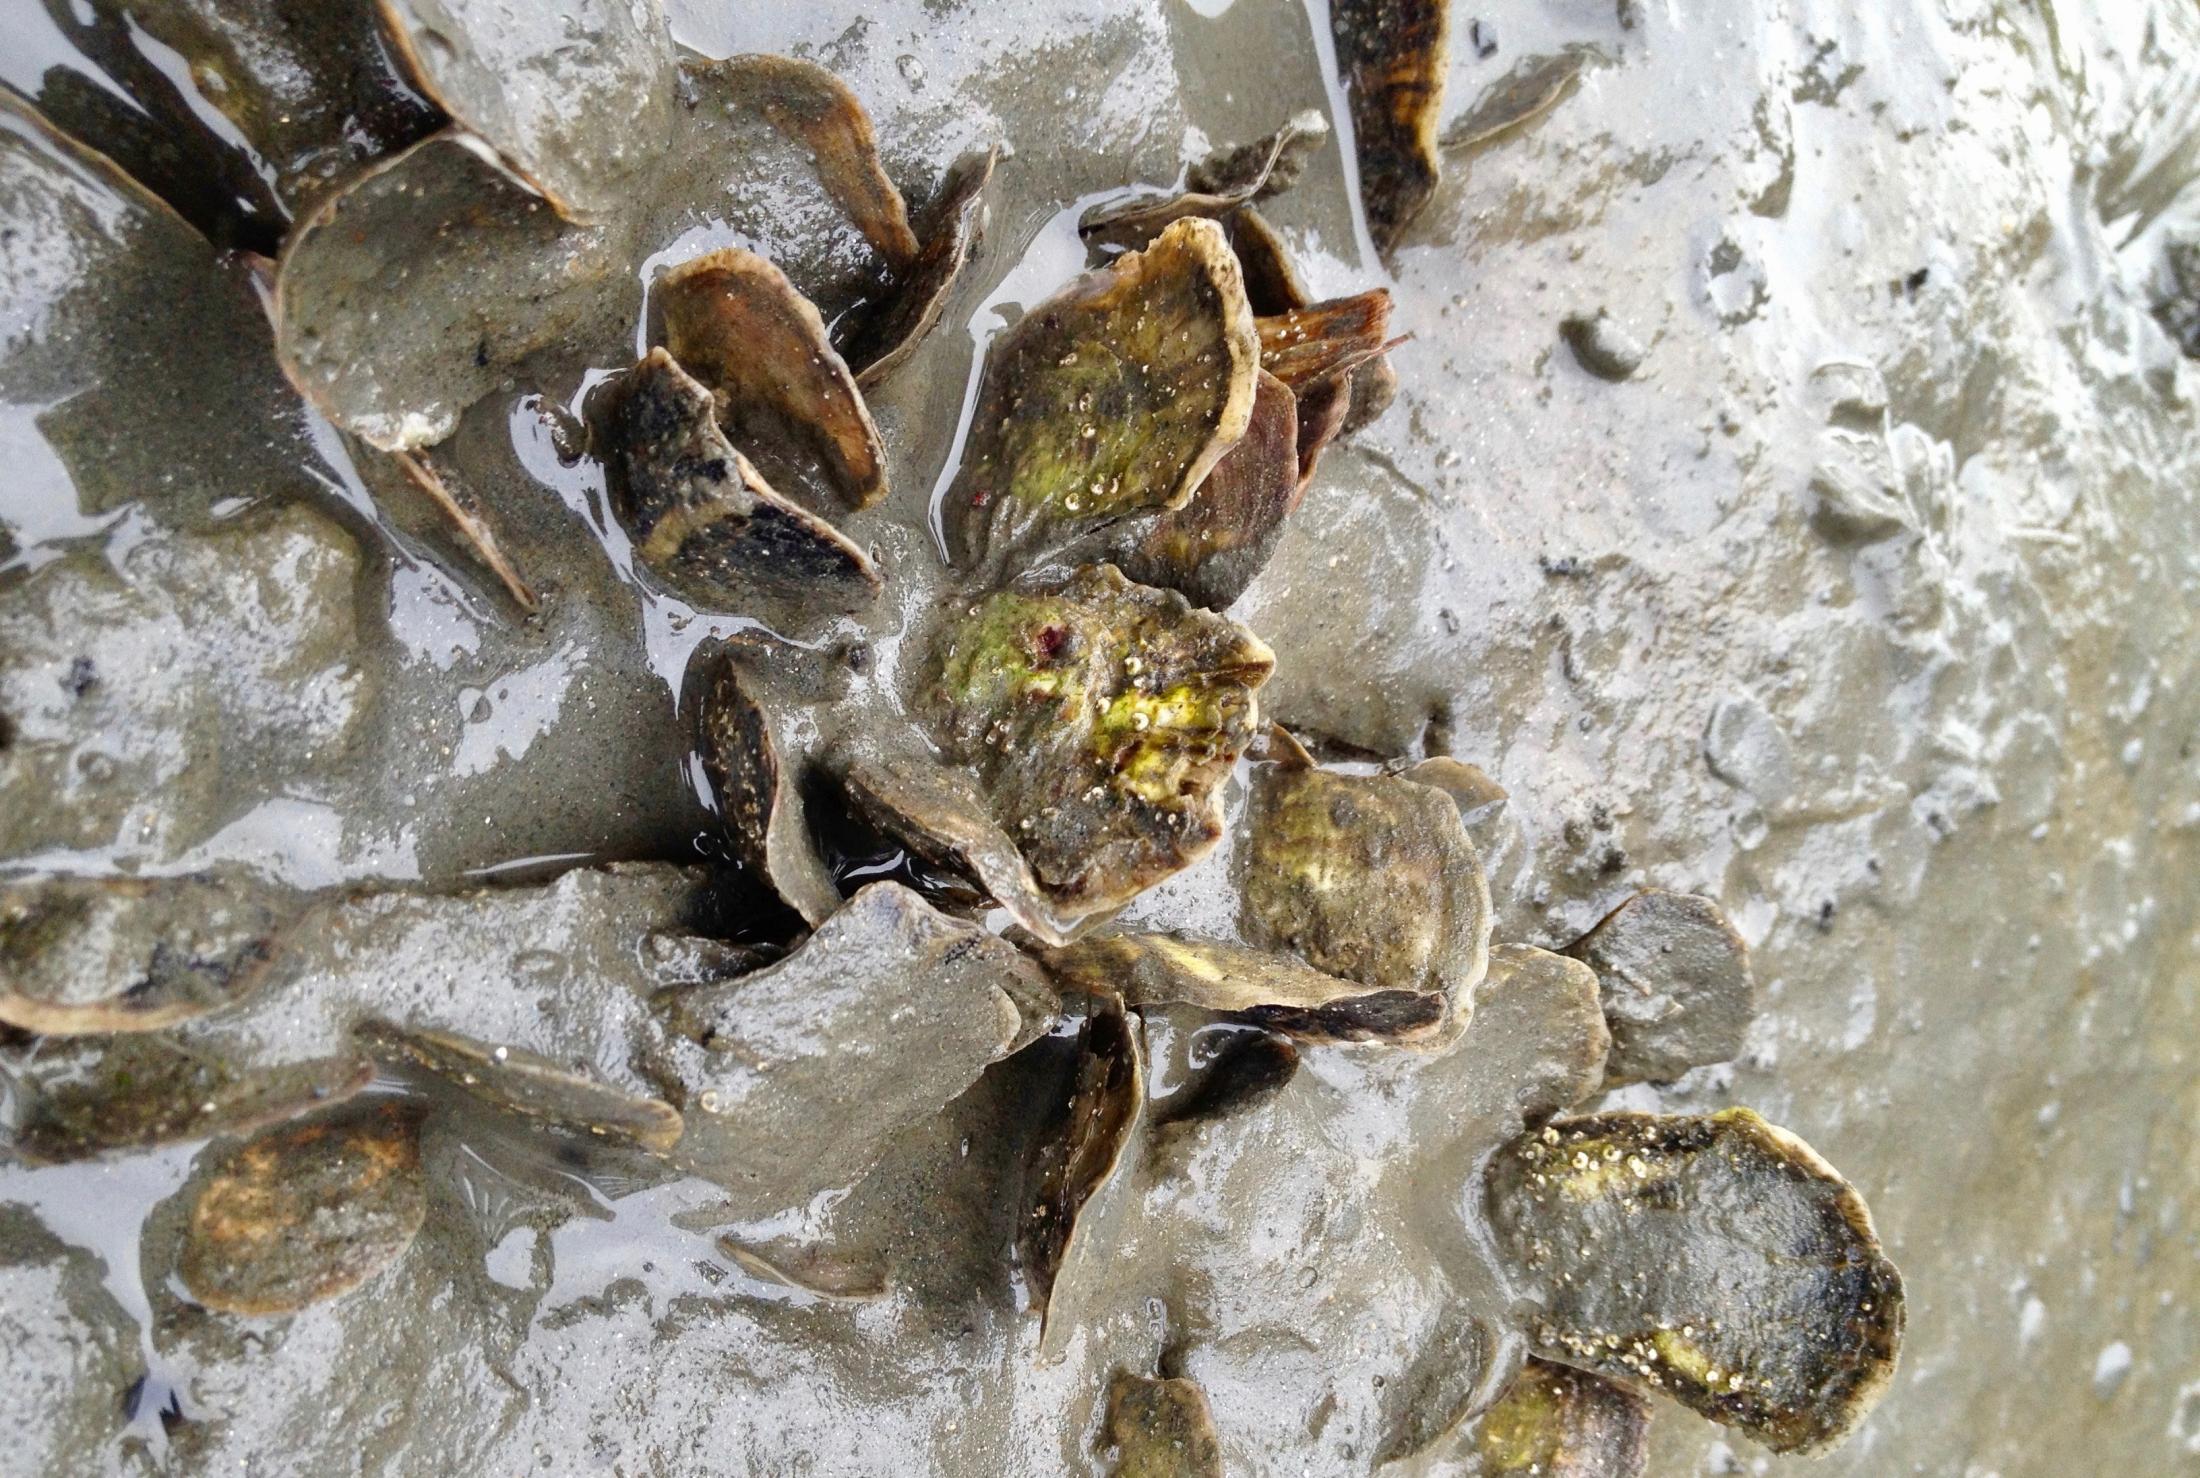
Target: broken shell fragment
{"points": [[815, 1271], [147, 1091], [1101, 719], [1392, 55], [1370, 877], [392, 341], [1716, 1259], [736, 323], [1272, 991], [1304, 347], [796, 1078], [1676, 981], [1161, 1428], [521, 1082], [301, 1213], [703, 518], [576, 98], [1556, 1422], [876, 338], [759, 794], [1083, 1146], [1115, 396], [937, 813], [462, 513], [1212, 547], [811, 106], [1217, 186], [87, 955]]}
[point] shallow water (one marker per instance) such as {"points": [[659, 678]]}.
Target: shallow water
{"points": [[1866, 604]]}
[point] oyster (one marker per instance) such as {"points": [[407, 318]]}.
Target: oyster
{"points": [[1115, 396], [305, 1212], [736, 323], [1101, 719], [1718, 1260], [701, 515], [1106, 1104]]}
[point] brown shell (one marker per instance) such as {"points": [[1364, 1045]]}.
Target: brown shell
{"points": [[1392, 55], [1161, 1429], [301, 1213], [1084, 1145]]}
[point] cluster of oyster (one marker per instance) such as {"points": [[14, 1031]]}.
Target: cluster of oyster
{"points": [[1062, 730]]}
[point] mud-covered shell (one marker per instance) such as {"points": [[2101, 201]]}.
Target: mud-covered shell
{"points": [[734, 321], [1115, 396], [1261, 987], [818, 1272], [1232, 1067], [1161, 1428], [1083, 1144], [1717, 1259], [393, 341], [576, 98], [1101, 719], [814, 108], [1212, 547], [1371, 877], [796, 1078], [304, 1212], [1392, 55], [876, 338], [704, 519], [758, 786], [87, 955], [174, 1094], [520, 1082], [1556, 1422], [1676, 981]]}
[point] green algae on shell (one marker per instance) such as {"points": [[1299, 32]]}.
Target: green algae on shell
{"points": [[304, 1212], [1161, 1428], [1370, 877], [1211, 548], [96, 955], [702, 517], [418, 288], [796, 1078], [576, 98], [1716, 1259], [1101, 719], [734, 322], [1261, 987], [517, 1081], [1676, 981], [1392, 56], [1557, 1422], [1115, 396], [877, 338], [757, 782]]}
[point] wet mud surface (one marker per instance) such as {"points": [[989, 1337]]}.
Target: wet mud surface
{"points": [[1791, 497]]}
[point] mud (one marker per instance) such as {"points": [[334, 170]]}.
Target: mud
{"points": [[1865, 602]]}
